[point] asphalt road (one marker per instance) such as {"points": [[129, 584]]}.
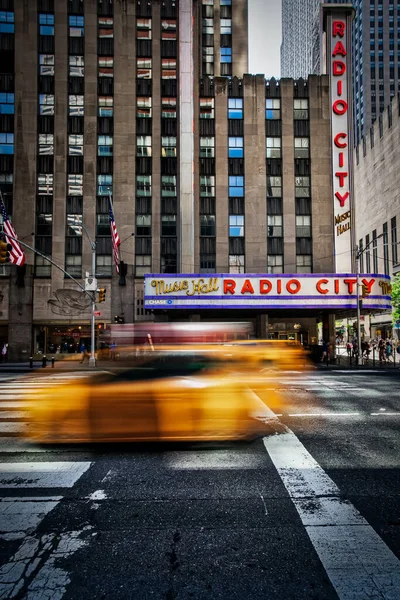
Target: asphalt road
{"points": [[310, 511]]}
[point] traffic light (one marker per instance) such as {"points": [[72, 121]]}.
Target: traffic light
{"points": [[119, 320], [102, 295], [5, 252]]}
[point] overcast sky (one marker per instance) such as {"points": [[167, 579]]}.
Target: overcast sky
{"points": [[265, 33]]}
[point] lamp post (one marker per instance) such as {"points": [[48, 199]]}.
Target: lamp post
{"points": [[92, 359]]}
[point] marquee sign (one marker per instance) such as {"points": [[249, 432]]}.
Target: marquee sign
{"points": [[338, 29], [265, 291]]}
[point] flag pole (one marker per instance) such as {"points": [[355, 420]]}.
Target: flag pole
{"points": [[112, 208]]}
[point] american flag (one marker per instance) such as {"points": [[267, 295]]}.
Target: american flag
{"points": [[17, 255], [114, 237]]}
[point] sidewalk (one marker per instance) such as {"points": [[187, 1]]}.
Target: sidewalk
{"points": [[343, 361], [59, 366]]}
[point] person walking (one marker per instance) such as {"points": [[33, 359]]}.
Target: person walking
{"points": [[381, 350], [113, 350], [84, 352], [388, 350], [4, 352]]}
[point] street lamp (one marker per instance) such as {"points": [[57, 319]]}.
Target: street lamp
{"points": [[92, 359]]}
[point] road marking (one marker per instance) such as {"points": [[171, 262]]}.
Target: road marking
{"points": [[356, 559], [11, 414], [15, 404], [331, 414], [7, 427], [21, 516], [41, 474]]}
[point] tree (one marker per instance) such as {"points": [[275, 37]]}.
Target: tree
{"points": [[395, 283]]}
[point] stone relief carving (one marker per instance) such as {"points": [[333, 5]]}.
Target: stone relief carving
{"points": [[69, 302]]}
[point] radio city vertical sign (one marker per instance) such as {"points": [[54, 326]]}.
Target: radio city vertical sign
{"points": [[337, 25]]}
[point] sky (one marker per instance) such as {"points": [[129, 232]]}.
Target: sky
{"points": [[265, 33]]}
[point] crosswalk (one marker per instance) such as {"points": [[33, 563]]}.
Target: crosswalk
{"points": [[32, 485]]}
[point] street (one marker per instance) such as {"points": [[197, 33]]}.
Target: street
{"points": [[309, 511]]}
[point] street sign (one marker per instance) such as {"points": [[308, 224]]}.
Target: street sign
{"points": [[90, 284], [97, 313]]}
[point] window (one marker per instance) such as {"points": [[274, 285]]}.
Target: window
{"points": [[273, 108], [104, 145], [76, 26], [143, 68], [143, 145], [367, 254], [385, 249], [168, 68], [46, 24], [143, 107], [46, 104], [168, 29], [303, 226], [236, 263], [236, 186], [75, 145], [143, 29], [6, 143], [168, 108], [44, 223], [300, 109], [226, 55], [235, 149], [75, 185], [6, 104], [302, 187], [273, 147], [103, 265], [207, 185], [236, 225], [168, 185], [106, 66], [106, 27], [143, 185], [42, 267], [103, 224], [75, 106], [207, 149], [45, 184], [46, 144], [274, 186], [207, 225], [226, 26], [208, 60], [73, 264], [106, 106], [104, 184], [143, 225], [225, 2], [208, 26], [235, 108], [6, 22], [207, 263], [275, 225], [76, 66], [74, 225], [375, 251], [46, 62], [302, 147], [168, 146], [394, 241], [143, 265], [361, 250], [206, 108], [304, 263], [168, 225], [274, 263]]}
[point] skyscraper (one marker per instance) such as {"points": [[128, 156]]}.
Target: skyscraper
{"points": [[298, 37]]}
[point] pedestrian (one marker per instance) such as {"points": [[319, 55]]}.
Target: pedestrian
{"points": [[355, 348], [84, 352], [381, 350], [348, 348], [388, 350], [4, 352], [113, 349], [325, 351]]}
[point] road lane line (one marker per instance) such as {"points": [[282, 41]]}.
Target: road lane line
{"points": [[356, 559], [20, 516], [41, 474]]}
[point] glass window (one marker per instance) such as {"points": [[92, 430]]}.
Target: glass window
{"points": [[75, 145], [235, 149], [143, 107], [76, 66], [303, 226], [75, 185], [76, 26], [46, 24], [46, 62], [106, 106], [168, 185], [274, 186], [104, 184], [143, 185], [274, 263], [208, 26], [73, 264], [106, 27], [42, 267], [273, 145], [44, 224], [46, 104], [143, 264], [106, 66], [206, 108], [225, 2], [302, 147], [226, 55], [46, 143], [207, 185], [207, 149], [143, 68], [304, 263], [235, 108], [273, 108], [6, 143], [168, 144], [300, 106], [6, 22], [76, 105], [6, 103], [74, 225], [236, 186], [236, 225], [168, 29], [104, 145], [143, 145], [143, 29], [103, 265], [302, 187], [143, 225], [207, 225], [168, 225], [103, 224], [393, 226], [207, 263], [236, 263], [168, 68], [275, 226], [226, 26], [45, 184], [168, 108]]}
